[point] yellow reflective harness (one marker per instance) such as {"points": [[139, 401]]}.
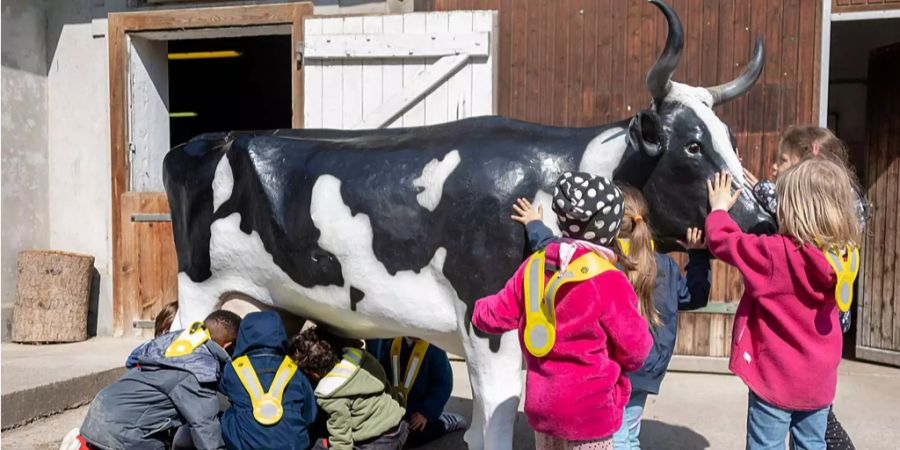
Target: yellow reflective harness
{"points": [[412, 366], [540, 300], [267, 408], [348, 365], [192, 337], [625, 245], [846, 267]]}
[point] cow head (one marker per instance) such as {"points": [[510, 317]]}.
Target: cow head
{"points": [[683, 142]]}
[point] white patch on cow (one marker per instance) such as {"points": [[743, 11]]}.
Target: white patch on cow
{"points": [[432, 180], [544, 199], [240, 263], [349, 237], [604, 153], [700, 101], [223, 183]]}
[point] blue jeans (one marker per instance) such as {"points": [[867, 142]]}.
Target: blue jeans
{"points": [[768, 425], [627, 436]]}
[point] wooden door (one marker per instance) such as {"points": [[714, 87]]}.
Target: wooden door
{"points": [[410, 69], [145, 266], [878, 330]]}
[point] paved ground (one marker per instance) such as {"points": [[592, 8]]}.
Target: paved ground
{"points": [[695, 411], [30, 366]]}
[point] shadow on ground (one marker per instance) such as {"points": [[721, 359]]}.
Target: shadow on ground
{"points": [[654, 434], [523, 437], [661, 435]]}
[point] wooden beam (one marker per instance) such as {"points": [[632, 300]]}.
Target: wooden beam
{"points": [[396, 45], [878, 355], [703, 364], [410, 95]]}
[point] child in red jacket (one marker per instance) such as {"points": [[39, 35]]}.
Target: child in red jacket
{"points": [[786, 341], [578, 321]]}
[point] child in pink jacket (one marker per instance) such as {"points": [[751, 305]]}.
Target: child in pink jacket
{"points": [[575, 394], [786, 341]]}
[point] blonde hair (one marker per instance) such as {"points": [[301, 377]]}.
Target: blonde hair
{"points": [[640, 263], [816, 204]]}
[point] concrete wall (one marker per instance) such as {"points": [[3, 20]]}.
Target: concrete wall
{"points": [[79, 167], [25, 193]]}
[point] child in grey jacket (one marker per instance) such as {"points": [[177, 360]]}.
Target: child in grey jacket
{"points": [[171, 382]]}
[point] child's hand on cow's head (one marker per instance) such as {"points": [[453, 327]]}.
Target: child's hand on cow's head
{"points": [[720, 196], [526, 213], [752, 180], [693, 240]]}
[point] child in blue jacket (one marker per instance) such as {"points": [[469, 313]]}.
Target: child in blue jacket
{"points": [[427, 391], [285, 405], [661, 288]]}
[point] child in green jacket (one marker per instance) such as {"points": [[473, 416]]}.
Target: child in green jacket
{"points": [[352, 389]]}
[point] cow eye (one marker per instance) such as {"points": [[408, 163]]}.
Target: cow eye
{"points": [[693, 148]]}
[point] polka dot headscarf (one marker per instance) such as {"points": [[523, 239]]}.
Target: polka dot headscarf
{"points": [[588, 207]]}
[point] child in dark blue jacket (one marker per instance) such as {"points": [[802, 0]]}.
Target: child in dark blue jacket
{"points": [[284, 405], [425, 391], [660, 286]]}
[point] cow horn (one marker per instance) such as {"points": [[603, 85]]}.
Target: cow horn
{"points": [[744, 82], [659, 78]]}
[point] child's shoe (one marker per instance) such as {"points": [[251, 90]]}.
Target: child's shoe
{"points": [[453, 422]]}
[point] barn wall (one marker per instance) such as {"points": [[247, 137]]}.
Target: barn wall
{"points": [[583, 62], [842, 6]]}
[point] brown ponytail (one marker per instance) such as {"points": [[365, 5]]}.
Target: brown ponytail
{"points": [[640, 264]]}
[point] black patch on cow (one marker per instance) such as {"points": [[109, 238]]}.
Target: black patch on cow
{"points": [[356, 296], [191, 201]]}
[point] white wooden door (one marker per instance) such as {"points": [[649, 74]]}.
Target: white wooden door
{"points": [[399, 70]]}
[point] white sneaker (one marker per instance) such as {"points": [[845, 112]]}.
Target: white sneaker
{"points": [[70, 442], [453, 422]]}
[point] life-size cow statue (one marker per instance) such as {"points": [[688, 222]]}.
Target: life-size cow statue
{"points": [[381, 233]]}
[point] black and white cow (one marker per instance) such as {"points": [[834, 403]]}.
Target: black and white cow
{"points": [[382, 233]]}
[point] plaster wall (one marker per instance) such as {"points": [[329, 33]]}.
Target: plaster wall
{"points": [[25, 159]]}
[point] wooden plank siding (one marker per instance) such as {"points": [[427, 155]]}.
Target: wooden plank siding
{"points": [[843, 6], [583, 62]]}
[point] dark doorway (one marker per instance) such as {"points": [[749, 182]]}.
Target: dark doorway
{"points": [[248, 88]]}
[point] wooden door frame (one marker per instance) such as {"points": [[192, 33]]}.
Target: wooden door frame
{"points": [[120, 24]]}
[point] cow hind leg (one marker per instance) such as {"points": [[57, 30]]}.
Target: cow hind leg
{"points": [[195, 302], [496, 379]]}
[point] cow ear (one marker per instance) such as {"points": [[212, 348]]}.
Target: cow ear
{"points": [[645, 133]]}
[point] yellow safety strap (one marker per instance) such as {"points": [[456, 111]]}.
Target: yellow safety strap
{"points": [[348, 365], [188, 341], [846, 267], [625, 245], [412, 366], [267, 408], [540, 300]]}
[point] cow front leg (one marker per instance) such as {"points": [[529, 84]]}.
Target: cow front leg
{"points": [[496, 380]]}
